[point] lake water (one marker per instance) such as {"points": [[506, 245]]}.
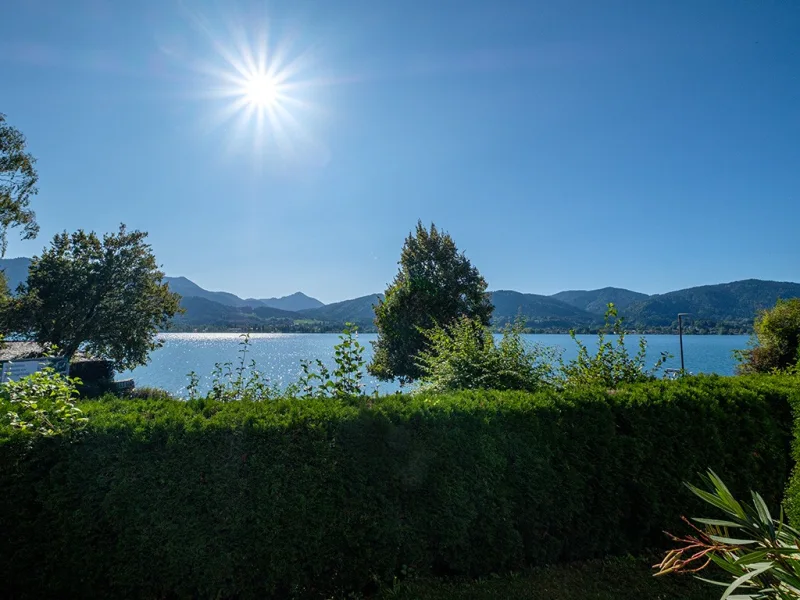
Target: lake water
{"points": [[278, 355]]}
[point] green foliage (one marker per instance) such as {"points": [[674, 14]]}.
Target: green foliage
{"points": [[777, 340], [42, 403], [792, 503], [612, 365], [231, 382], [105, 295], [17, 184], [149, 393], [5, 296], [435, 285], [346, 379], [305, 497], [465, 356], [760, 555], [244, 381]]}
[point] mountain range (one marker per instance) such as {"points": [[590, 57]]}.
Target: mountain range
{"points": [[720, 308], [294, 302]]}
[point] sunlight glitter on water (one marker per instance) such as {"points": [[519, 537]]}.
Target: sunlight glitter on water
{"points": [[278, 355]]}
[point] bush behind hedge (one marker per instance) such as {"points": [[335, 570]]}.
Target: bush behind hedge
{"points": [[251, 500]]}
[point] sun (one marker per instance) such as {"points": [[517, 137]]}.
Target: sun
{"points": [[260, 90], [264, 90]]}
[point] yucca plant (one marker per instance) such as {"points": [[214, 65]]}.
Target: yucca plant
{"points": [[761, 555]]}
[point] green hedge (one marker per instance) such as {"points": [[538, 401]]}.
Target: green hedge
{"points": [[792, 501], [617, 578], [169, 499]]}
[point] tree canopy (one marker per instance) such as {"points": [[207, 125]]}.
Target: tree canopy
{"points": [[17, 184], [105, 295], [777, 339], [435, 285]]}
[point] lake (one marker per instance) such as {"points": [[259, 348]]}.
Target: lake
{"points": [[278, 355]]}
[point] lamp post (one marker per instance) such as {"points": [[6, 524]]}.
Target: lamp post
{"points": [[680, 336]]}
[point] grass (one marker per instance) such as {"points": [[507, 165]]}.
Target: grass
{"points": [[609, 579]]}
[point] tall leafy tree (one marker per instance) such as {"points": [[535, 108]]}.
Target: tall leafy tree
{"points": [[435, 285], [17, 184], [106, 295]]}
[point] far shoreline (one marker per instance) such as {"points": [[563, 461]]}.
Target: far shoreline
{"points": [[495, 330]]}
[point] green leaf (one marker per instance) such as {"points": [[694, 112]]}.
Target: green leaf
{"points": [[715, 500], [711, 581], [739, 581], [725, 494], [732, 541], [725, 564], [718, 522], [754, 557], [761, 507]]}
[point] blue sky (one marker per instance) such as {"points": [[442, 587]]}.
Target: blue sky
{"points": [[572, 144]]}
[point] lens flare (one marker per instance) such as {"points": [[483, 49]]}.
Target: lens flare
{"points": [[265, 93]]}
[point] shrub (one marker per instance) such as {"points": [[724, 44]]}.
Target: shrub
{"points": [[308, 497], [612, 365], [776, 344], [42, 403], [242, 382], [246, 382], [465, 356], [346, 379], [149, 393]]}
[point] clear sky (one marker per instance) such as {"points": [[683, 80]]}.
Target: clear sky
{"points": [[270, 147]]}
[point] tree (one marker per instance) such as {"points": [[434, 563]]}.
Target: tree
{"points": [[106, 296], [17, 184], [435, 285], [777, 340]]}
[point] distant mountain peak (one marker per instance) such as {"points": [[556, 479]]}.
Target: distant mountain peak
{"points": [[294, 302], [596, 301]]}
